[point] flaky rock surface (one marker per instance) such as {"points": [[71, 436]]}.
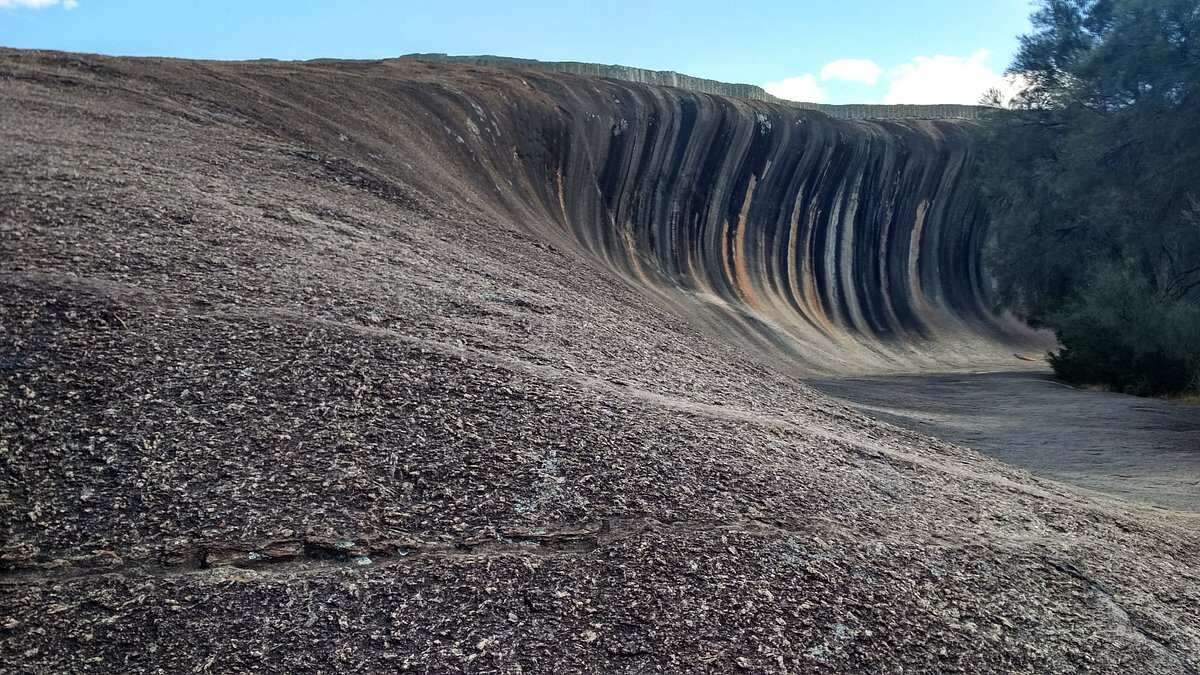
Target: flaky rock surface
{"points": [[349, 365]]}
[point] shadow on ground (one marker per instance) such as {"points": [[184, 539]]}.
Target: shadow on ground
{"points": [[1140, 449]]}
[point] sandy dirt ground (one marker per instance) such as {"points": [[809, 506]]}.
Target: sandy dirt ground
{"points": [[1145, 450]]}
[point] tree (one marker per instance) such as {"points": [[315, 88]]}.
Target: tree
{"points": [[1092, 179]]}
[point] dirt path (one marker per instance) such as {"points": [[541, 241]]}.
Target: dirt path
{"points": [[1140, 449]]}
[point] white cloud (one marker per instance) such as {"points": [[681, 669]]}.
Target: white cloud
{"points": [[38, 4], [800, 88], [852, 70], [946, 79]]}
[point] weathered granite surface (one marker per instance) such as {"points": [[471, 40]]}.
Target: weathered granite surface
{"points": [[398, 365]]}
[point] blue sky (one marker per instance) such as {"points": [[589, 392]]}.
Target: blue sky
{"points": [[893, 51]]}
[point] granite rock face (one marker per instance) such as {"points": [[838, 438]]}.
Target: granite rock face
{"points": [[830, 231], [848, 245], [368, 366]]}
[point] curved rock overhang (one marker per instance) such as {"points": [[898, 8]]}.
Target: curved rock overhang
{"points": [[839, 245], [845, 245]]}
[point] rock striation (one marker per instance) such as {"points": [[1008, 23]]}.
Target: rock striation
{"points": [[848, 245]]}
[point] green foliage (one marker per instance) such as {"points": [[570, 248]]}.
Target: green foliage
{"points": [[1117, 332], [1092, 178]]}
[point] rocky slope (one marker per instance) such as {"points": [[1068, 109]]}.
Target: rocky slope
{"points": [[431, 366]]}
